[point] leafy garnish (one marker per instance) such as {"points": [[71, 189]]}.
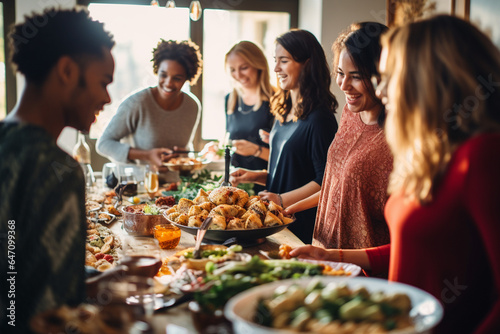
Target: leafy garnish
{"points": [[190, 185], [151, 210]]}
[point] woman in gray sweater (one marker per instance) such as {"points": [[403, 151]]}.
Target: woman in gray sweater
{"points": [[151, 122]]}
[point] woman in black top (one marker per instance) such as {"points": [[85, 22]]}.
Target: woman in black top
{"points": [[247, 106], [304, 128]]}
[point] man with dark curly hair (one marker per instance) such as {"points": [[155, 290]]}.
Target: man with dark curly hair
{"points": [[65, 57], [153, 122]]}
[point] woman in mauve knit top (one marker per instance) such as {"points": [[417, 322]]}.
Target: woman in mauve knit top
{"points": [[443, 126], [354, 190]]}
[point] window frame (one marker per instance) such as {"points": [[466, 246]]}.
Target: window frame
{"points": [[196, 27]]}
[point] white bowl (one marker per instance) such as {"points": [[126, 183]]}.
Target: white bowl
{"points": [[426, 312]]}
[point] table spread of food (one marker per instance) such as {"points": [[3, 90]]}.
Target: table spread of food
{"points": [[246, 247]]}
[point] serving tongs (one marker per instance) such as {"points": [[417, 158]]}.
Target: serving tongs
{"points": [[199, 237], [227, 158], [119, 190]]}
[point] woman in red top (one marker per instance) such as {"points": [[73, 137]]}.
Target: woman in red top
{"points": [[443, 127]]}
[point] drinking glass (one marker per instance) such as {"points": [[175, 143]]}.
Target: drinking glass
{"points": [[142, 256], [109, 173], [128, 179], [126, 301], [151, 182]]}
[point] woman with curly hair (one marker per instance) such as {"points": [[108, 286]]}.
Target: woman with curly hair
{"points": [[150, 123], [305, 126]]}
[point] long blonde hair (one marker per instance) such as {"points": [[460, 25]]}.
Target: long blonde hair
{"points": [[254, 56], [439, 72]]}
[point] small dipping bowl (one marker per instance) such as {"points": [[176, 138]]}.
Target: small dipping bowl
{"points": [[167, 235]]}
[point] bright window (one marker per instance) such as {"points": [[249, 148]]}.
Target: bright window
{"points": [[222, 29], [137, 30]]}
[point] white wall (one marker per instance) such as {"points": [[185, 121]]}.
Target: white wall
{"points": [[327, 18], [309, 12]]}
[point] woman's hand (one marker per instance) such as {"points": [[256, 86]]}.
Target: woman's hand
{"points": [[155, 156], [294, 208], [268, 196], [158, 155], [247, 176], [245, 147], [264, 136], [310, 252], [356, 256], [304, 204]]}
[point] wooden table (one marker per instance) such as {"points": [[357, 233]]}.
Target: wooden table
{"points": [[178, 320]]}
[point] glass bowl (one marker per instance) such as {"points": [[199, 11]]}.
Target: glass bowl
{"points": [[140, 224]]}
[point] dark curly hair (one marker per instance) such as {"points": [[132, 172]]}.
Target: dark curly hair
{"points": [[362, 42], [186, 53], [39, 42], [314, 80]]}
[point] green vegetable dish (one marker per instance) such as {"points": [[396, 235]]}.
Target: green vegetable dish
{"points": [[235, 277], [190, 185], [215, 253], [334, 308]]}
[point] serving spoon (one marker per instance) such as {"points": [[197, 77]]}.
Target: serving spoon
{"points": [[199, 237]]}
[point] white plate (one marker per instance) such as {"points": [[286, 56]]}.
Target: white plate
{"points": [[350, 268], [426, 312]]}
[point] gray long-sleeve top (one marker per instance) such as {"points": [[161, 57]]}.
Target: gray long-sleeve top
{"points": [[141, 123]]}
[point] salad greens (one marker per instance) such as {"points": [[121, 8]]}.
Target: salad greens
{"points": [[236, 277], [190, 185]]}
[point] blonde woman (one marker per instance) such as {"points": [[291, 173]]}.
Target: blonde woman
{"points": [[247, 106], [443, 127]]}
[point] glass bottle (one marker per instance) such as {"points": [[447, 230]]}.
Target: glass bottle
{"points": [[81, 153]]}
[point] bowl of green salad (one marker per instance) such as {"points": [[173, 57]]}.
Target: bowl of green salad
{"points": [[140, 219]]}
